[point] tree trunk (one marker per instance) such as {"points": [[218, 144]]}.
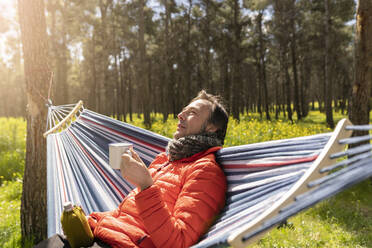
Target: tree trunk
{"points": [[62, 83], [37, 74], [258, 83], [116, 54], [277, 103], [263, 65], [130, 93], [236, 77], [167, 88], [294, 63], [224, 77], [363, 64], [207, 57], [188, 67], [116, 102], [96, 86], [288, 91], [305, 79], [150, 100], [122, 88], [52, 9], [282, 104], [327, 81], [104, 59], [143, 80]]}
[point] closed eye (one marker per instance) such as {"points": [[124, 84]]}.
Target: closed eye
{"points": [[192, 112]]}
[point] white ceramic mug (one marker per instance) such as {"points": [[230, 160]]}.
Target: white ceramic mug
{"points": [[115, 152]]}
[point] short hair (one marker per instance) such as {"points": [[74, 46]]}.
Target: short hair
{"points": [[218, 115]]}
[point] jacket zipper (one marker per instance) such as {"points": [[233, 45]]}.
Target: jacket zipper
{"points": [[158, 174]]}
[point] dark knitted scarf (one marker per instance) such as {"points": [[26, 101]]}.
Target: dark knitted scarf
{"points": [[189, 145]]}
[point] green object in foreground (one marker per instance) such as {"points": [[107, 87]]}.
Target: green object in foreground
{"points": [[75, 226]]}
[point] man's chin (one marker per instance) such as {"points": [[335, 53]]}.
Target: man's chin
{"points": [[177, 135]]}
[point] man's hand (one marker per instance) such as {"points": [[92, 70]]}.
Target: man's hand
{"points": [[135, 171]]}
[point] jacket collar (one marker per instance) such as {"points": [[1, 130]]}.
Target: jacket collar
{"points": [[198, 155]]}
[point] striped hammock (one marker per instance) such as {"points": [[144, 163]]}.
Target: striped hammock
{"points": [[267, 182]]}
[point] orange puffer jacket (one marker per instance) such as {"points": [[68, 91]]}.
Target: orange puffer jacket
{"points": [[175, 211]]}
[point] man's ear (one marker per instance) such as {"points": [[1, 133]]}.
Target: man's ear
{"points": [[211, 128]]}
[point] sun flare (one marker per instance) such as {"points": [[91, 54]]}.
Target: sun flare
{"points": [[8, 25], [8, 8]]}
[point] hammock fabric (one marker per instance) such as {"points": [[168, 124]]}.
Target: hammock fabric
{"points": [[267, 182]]}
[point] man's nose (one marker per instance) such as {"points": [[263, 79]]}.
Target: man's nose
{"points": [[180, 116]]}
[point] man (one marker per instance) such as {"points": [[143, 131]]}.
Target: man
{"points": [[178, 197]]}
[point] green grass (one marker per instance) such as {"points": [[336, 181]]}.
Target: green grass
{"points": [[342, 221], [10, 204], [12, 159], [12, 148], [252, 129], [10, 231]]}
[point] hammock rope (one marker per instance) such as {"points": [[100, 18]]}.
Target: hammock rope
{"points": [[267, 182]]}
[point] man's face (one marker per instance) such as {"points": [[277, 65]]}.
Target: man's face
{"points": [[193, 118]]}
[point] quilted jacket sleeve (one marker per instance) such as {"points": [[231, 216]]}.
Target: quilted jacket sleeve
{"points": [[95, 217], [200, 200]]}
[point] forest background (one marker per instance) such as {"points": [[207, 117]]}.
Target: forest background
{"points": [[269, 57]]}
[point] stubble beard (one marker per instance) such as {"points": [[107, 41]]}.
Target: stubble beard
{"points": [[202, 130]]}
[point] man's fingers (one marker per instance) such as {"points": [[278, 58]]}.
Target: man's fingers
{"points": [[125, 156], [135, 155]]}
